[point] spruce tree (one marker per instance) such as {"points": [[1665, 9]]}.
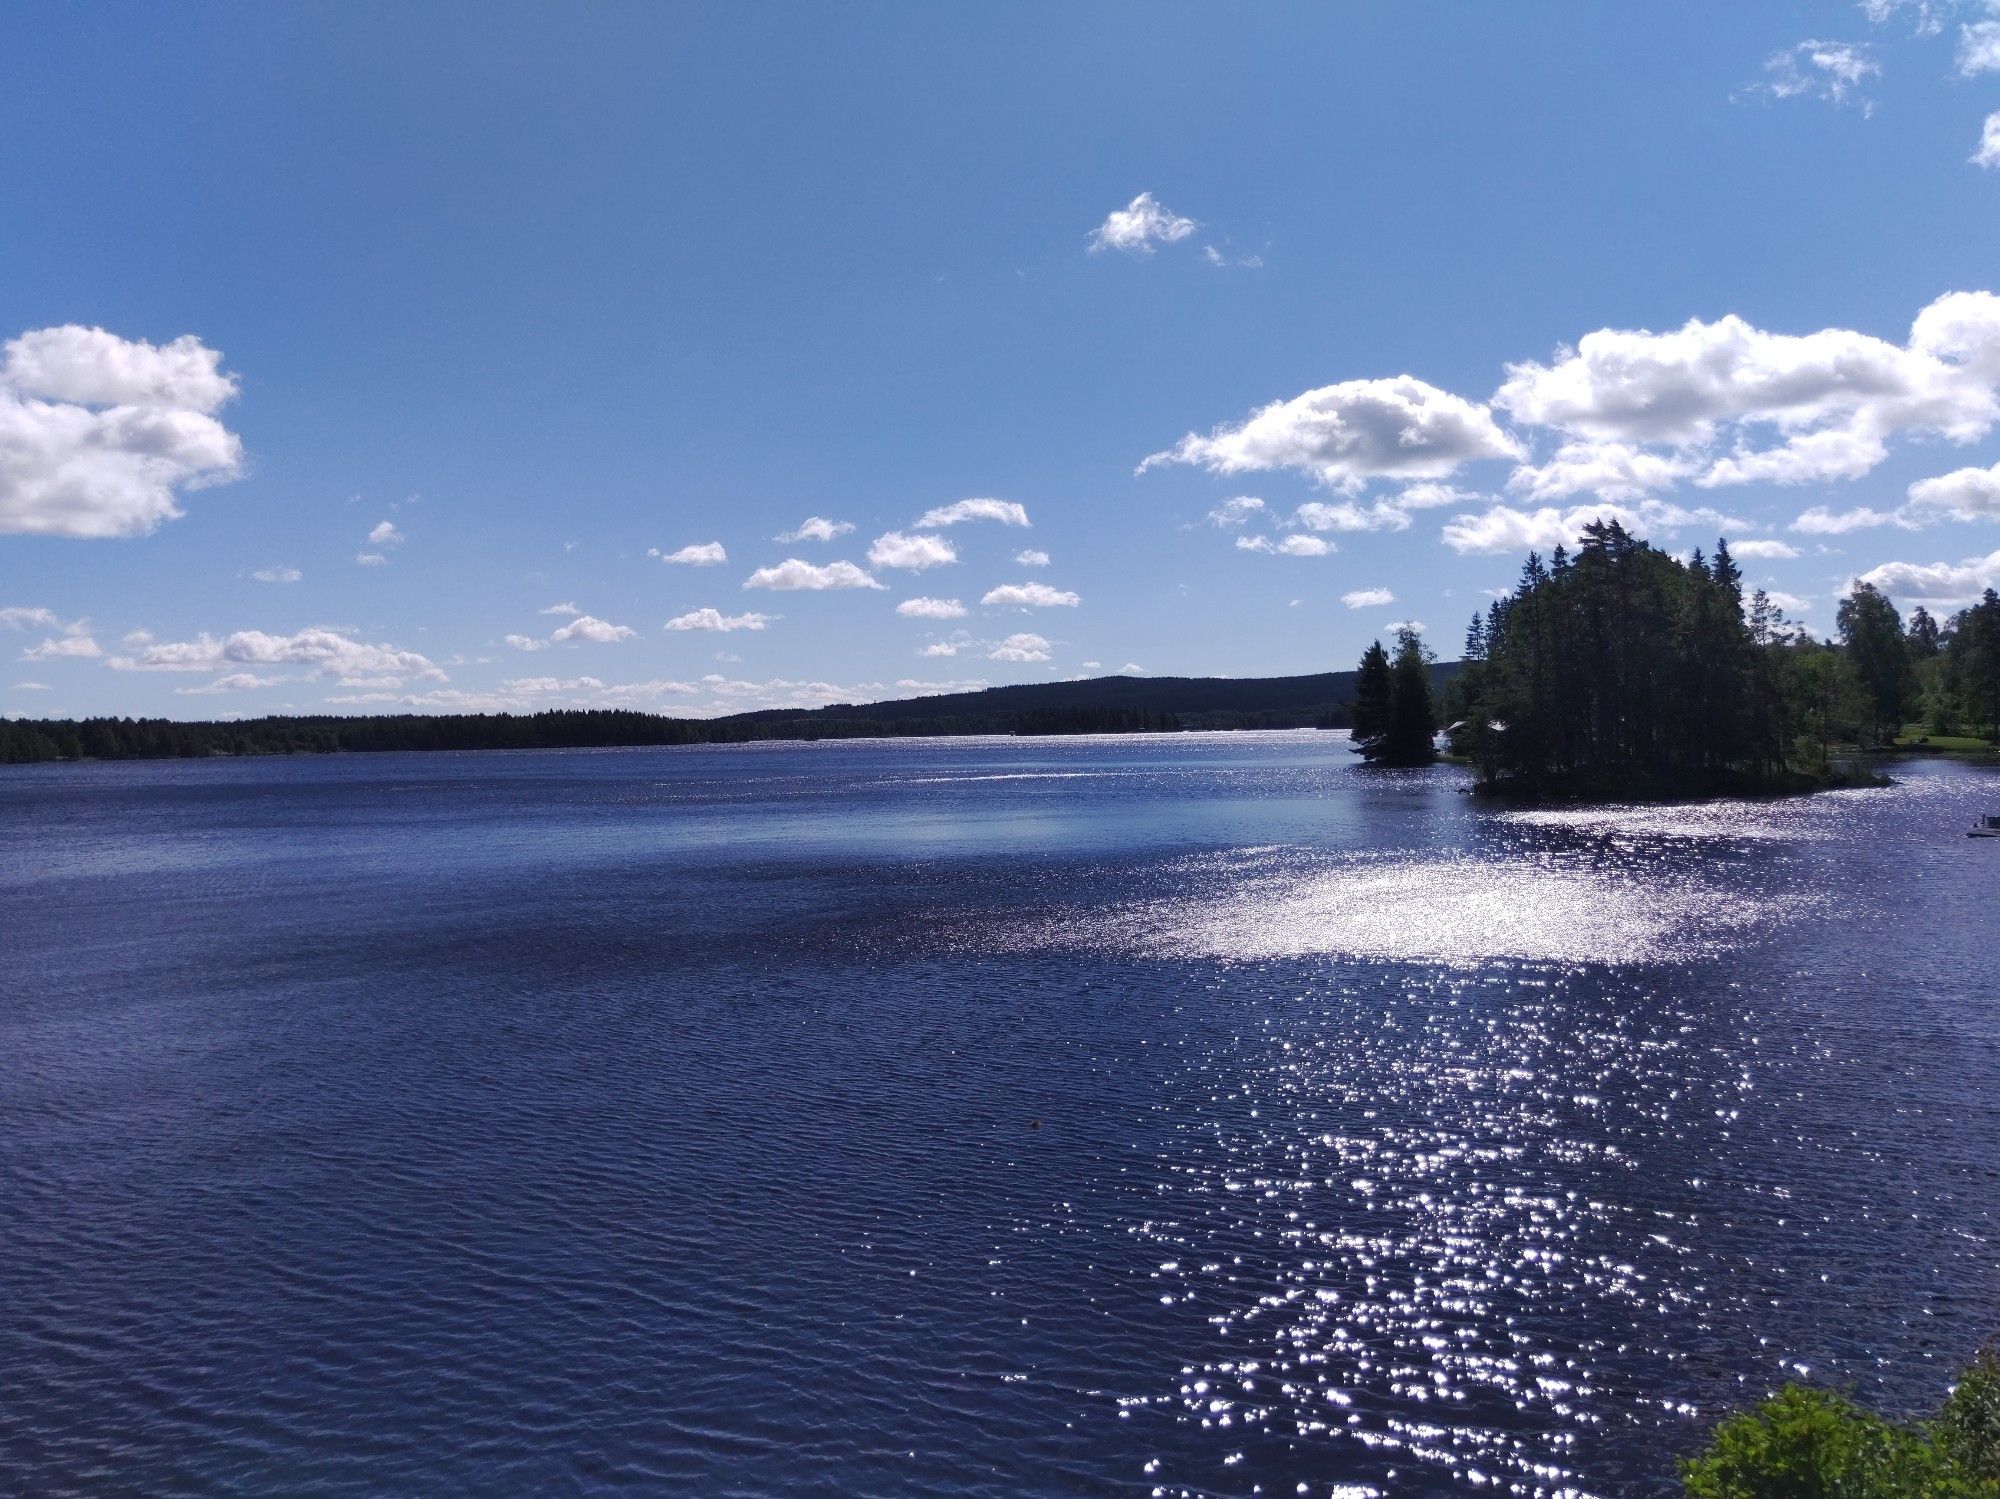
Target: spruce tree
{"points": [[1412, 719], [1373, 702]]}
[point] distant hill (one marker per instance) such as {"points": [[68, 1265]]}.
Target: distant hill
{"points": [[1100, 705]]}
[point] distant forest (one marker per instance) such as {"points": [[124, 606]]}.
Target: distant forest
{"points": [[1104, 705]]}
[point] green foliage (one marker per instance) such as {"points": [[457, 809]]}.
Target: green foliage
{"points": [[1374, 703], [1872, 632], [1394, 721], [1805, 1443]]}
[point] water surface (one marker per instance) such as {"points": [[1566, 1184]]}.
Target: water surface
{"points": [[1194, 1115]]}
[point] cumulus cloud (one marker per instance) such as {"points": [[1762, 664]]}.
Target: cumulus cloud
{"points": [[1383, 515], [1979, 49], [1032, 557], [695, 554], [1006, 512], [1822, 521], [1963, 494], [794, 573], [715, 619], [527, 643], [77, 643], [385, 534], [1139, 226], [1021, 647], [1347, 434], [1832, 72], [816, 528], [22, 617], [371, 559], [1756, 550], [587, 627], [277, 575], [1988, 152], [99, 435], [1502, 528], [913, 553], [328, 653], [1368, 598], [1727, 403], [1937, 582], [1291, 546], [942, 648], [1237, 512], [565, 609], [1030, 596], [929, 608]]}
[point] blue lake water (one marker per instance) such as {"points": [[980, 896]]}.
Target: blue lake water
{"points": [[1191, 1115]]}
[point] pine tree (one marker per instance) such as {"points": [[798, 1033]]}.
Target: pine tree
{"points": [[1412, 719], [1374, 694]]}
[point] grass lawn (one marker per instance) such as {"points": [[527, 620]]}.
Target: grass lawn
{"points": [[1914, 737]]}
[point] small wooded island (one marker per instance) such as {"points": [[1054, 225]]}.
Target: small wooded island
{"points": [[1623, 672]]}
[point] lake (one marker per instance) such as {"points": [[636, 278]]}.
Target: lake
{"points": [[1191, 1115]]}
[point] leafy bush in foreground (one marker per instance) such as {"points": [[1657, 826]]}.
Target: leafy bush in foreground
{"points": [[1813, 1444]]}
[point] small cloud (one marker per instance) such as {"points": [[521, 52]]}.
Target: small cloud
{"points": [[527, 643], [370, 559], [929, 608], [1233, 513], [1021, 647], [695, 554], [277, 575], [586, 627], [385, 534], [793, 573], [1006, 512], [715, 619], [1291, 546], [941, 648], [1829, 71], [565, 608], [1765, 550], [1030, 596], [20, 617], [1979, 49], [1368, 598], [914, 553], [1988, 154], [1397, 626], [816, 528], [1139, 226], [1131, 669], [75, 645], [1032, 557], [32, 687]]}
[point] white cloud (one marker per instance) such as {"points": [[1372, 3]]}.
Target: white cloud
{"points": [[1963, 494], [385, 534], [565, 608], [1021, 647], [1030, 596], [1502, 528], [794, 573], [1346, 515], [1820, 521], [33, 687], [328, 652], [1937, 582], [1979, 49], [1131, 669], [1006, 512], [277, 575], [58, 647], [816, 528], [587, 627], [100, 434], [1825, 70], [1368, 598], [1988, 152], [695, 554], [1765, 550], [1791, 603], [1291, 546], [1233, 513], [1032, 557], [1397, 626], [236, 681], [929, 608], [20, 617], [527, 643], [1139, 226], [942, 648], [1928, 16], [715, 619], [1641, 410], [370, 559], [915, 553], [1346, 434]]}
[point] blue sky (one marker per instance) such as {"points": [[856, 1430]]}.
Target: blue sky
{"points": [[346, 343]]}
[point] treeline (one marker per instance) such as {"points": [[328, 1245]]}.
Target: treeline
{"points": [[24, 741], [1624, 671]]}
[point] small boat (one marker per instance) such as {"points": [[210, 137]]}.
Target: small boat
{"points": [[1986, 827]]}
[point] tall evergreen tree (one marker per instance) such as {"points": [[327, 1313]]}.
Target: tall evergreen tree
{"points": [[1924, 637], [1374, 694], [1412, 738], [1872, 631]]}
